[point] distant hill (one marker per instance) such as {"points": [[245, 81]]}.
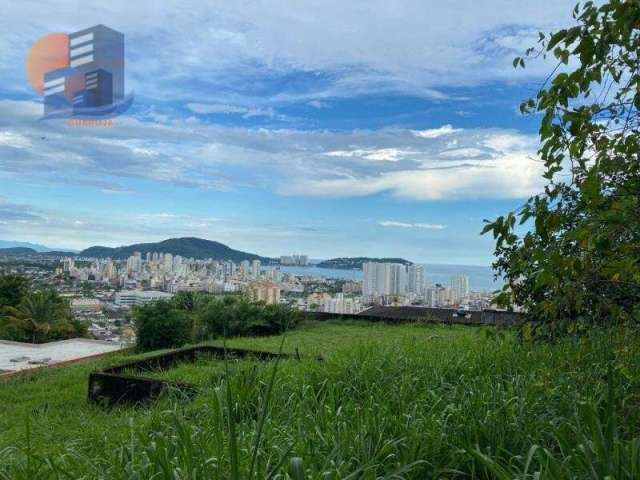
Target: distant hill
{"points": [[188, 247], [21, 251], [355, 263], [17, 251], [57, 253], [4, 244]]}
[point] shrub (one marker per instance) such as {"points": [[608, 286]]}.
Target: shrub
{"points": [[161, 325], [234, 316], [13, 288]]}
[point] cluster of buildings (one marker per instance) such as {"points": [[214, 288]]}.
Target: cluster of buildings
{"points": [[172, 273], [103, 291], [142, 278], [298, 260], [400, 284]]}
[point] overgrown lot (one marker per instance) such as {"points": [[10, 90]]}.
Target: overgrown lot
{"points": [[404, 401]]}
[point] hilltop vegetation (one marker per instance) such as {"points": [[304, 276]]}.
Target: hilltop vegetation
{"points": [[188, 247]]}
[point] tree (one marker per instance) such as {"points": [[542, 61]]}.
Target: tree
{"points": [[161, 325], [39, 317], [13, 288], [47, 316], [578, 260]]}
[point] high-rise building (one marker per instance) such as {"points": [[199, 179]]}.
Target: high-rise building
{"points": [[341, 304], [264, 291], [459, 286], [294, 260], [168, 262], [245, 269], [255, 269], [382, 279], [134, 263], [415, 283]]}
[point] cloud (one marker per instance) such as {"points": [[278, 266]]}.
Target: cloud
{"points": [[188, 152], [233, 51], [426, 226], [436, 132], [318, 104], [205, 108], [18, 212], [379, 155], [463, 153]]}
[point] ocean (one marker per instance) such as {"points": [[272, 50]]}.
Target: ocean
{"points": [[480, 278]]}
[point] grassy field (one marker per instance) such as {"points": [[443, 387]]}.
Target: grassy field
{"points": [[406, 401]]}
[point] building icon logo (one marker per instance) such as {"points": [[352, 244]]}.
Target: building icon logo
{"points": [[81, 74]]}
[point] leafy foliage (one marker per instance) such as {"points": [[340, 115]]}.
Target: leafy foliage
{"points": [[13, 288], [195, 317], [35, 316], [161, 325], [578, 261]]}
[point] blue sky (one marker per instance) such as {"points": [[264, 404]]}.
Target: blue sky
{"points": [[378, 128]]}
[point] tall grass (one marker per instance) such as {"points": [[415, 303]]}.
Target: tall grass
{"points": [[386, 402]]}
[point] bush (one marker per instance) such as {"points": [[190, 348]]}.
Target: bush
{"points": [[13, 289], [198, 317], [161, 325]]}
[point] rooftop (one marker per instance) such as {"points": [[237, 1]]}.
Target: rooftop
{"points": [[21, 356]]}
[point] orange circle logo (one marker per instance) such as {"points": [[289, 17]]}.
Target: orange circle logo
{"points": [[48, 53]]}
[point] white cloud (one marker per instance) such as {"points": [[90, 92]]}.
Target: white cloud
{"points": [[461, 164], [426, 226], [14, 139], [379, 155], [214, 108], [412, 46], [318, 104], [514, 175], [463, 153], [208, 108], [436, 132]]}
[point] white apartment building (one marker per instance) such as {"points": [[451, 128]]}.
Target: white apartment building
{"points": [[415, 282], [340, 304], [131, 298], [382, 279], [459, 285], [264, 291], [255, 269]]}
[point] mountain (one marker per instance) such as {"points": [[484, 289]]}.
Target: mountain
{"points": [[4, 244], [21, 251], [355, 263], [11, 251], [188, 247]]}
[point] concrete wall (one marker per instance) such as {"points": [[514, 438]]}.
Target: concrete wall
{"points": [[438, 315]]}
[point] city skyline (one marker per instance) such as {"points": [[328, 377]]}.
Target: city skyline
{"points": [[392, 135]]}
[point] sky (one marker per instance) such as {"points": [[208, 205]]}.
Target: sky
{"points": [[361, 128]]}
